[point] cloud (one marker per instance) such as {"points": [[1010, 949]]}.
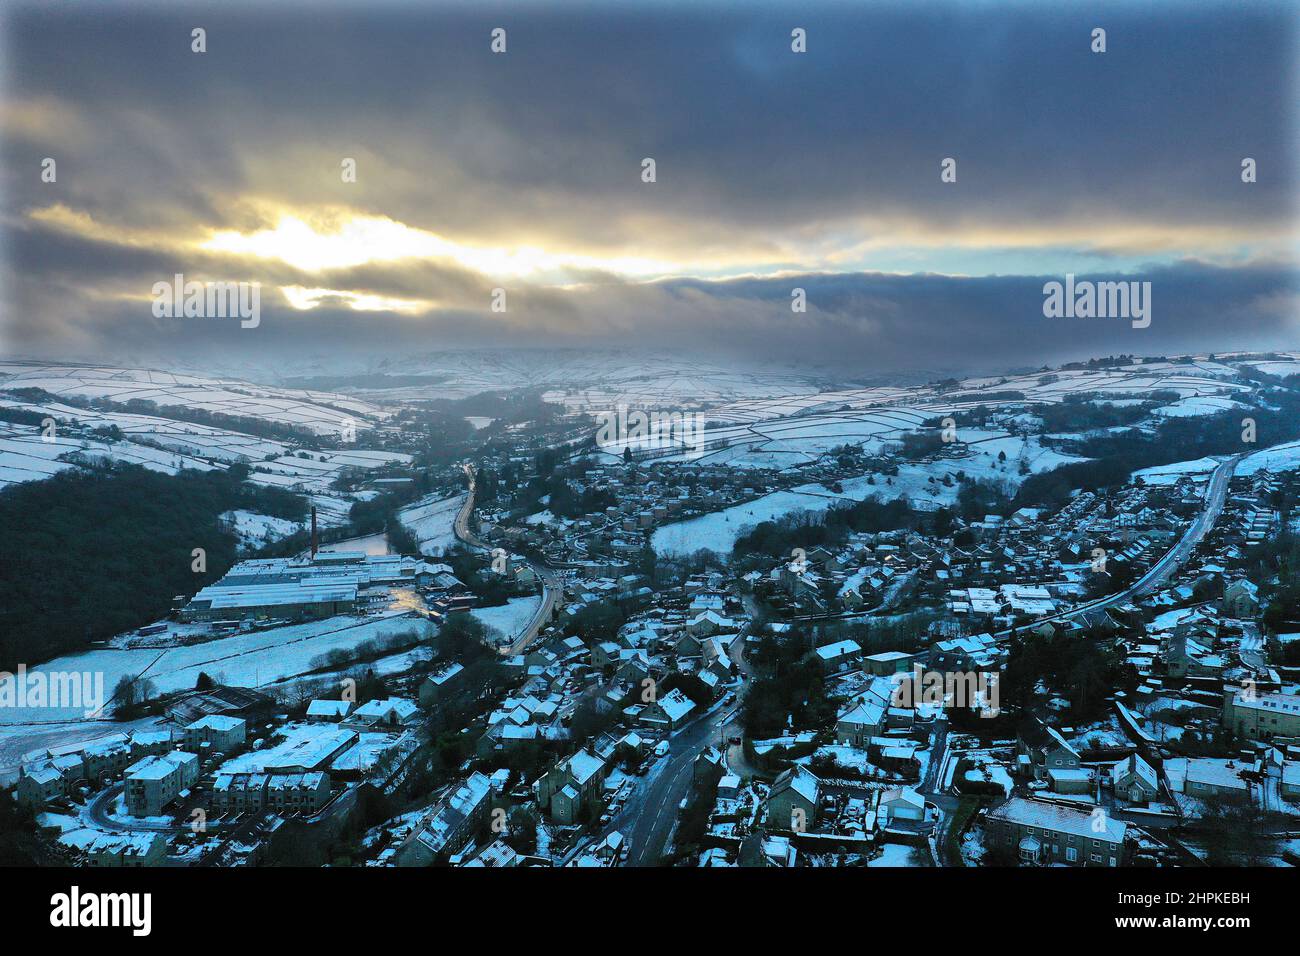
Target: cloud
{"points": [[522, 171]]}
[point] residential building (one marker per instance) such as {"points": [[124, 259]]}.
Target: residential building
{"points": [[572, 786], [40, 785], [105, 850], [668, 712], [329, 710], [1043, 833], [900, 805], [215, 733], [1040, 748], [393, 712], [154, 782], [1209, 777], [451, 824], [1261, 716], [794, 799], [839, 656], [434, 688], [1134, 780]]}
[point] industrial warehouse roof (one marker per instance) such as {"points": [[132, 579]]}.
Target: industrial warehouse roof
{"points": [[219, 596], [308, 746], [329, 577]]}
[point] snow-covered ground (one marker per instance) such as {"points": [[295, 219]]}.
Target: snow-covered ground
{"points": [[796, 440], [1284, 457], [547, 519], [316, 471], [509, 619], [164, 444], [431, 520], [1199, 405], [1198, 469], [324, 413], [248, 660], [26, 455], [201, 441], [922, 484], [256, 529], [988, 769], [897, 854]]}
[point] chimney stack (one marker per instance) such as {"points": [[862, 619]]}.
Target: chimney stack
{"points": [[313, 532]]}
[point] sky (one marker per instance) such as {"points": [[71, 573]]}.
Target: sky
{"points": [[522, 171]]}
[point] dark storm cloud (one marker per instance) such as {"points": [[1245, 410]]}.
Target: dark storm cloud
{"points": [[879, 321], [858, 324]]}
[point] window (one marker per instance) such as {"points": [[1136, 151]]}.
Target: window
{"points": [[1071, 854]]}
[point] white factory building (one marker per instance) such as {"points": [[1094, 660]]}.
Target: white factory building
{"points": [[332, 582]]}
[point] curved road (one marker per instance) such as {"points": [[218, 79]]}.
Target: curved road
{"points": [[96, 812], [1215, 495], [551, 583]]}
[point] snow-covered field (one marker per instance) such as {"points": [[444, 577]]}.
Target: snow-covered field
{"points": [[316, 471], [26, 455], [431, 520], [165, 444], [1289, 364], [796, 441], [324, 413], [1199, 405], [256, 529], [201, 441], [1198, 469], [1284, 457], [509, 619], [718, 531], [795, 429], [247, 660]]}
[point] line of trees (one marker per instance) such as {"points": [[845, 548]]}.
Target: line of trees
{"points": [[89, 554]]}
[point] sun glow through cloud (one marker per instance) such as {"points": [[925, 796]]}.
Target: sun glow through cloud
{"points": [[367, 239], [304, 299]]}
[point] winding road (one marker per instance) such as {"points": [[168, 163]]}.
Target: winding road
{"points": [[1215, 495], [551, 582]]}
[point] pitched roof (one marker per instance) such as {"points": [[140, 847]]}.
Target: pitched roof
{"points": [[1094, 825], [799, 779], [584, 765], [1138, 767]]}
